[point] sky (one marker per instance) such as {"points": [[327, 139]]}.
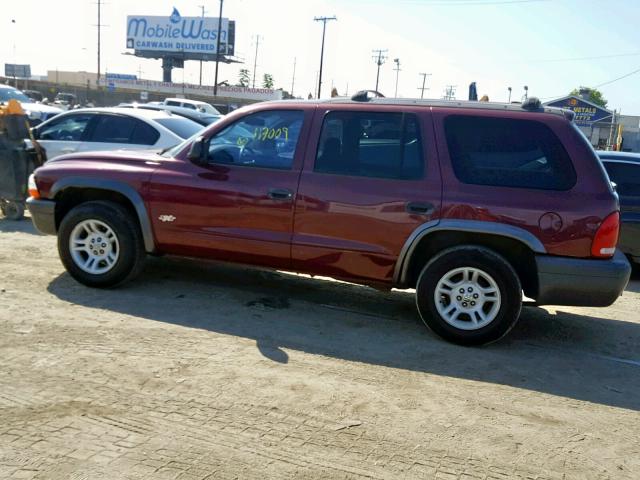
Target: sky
{"points": [[552, 46]]}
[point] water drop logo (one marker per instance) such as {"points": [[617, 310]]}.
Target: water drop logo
{"points": [[175, 16]]}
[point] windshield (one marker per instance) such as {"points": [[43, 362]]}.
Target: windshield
{"points": [[205, 107], [7, 94], [182, 127]]}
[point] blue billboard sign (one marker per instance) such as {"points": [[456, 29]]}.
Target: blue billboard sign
{"points": [[586, 113]]}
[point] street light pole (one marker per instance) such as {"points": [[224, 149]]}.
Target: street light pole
{"points": [[215, 81], [397, 69], [509, 88], [324, 21]]}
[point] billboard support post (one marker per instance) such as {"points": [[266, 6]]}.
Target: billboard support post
{"points": [[215, 81]]}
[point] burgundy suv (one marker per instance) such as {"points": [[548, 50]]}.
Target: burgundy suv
{"points": [[469, 203]]}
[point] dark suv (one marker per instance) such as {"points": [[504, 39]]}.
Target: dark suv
{"points": [[469, 203]]}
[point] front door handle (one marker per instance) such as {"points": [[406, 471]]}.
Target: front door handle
{"points": [[280, 194], [420, 208]]}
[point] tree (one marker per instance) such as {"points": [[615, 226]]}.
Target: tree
{"points": [[267, 80], [243, 78], [334, 92], [593, 95]]}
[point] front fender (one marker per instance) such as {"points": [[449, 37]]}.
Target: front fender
{"points": [[114, 186]]}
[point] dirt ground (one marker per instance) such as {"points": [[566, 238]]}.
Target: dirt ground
{"points": [[203, 371]]}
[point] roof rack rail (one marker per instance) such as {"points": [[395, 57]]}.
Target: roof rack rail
{"points": [[531, 104], [363, 95]]}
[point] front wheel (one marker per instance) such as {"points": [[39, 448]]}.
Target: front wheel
{"points": [[100, 244], [469, 295], [13, 210]]}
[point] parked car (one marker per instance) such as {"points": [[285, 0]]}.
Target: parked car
{"points": [[92, 129], [204, 119], [37, 112], [624, 170], [191, 104], [34, 95], [469, 203], [65, 100]]}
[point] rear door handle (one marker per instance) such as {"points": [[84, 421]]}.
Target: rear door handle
{"points": [[280, 194], [420, 208]]}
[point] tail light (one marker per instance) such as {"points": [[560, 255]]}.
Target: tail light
{"points": [[33, 188], [606, 239]]}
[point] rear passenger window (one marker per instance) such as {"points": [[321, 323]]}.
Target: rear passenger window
{"points": [[508, 153], [113, 129], [626, 176], [144, 134], [369, 144]]}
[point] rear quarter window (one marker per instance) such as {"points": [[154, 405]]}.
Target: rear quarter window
{"points": [[507, 153]]}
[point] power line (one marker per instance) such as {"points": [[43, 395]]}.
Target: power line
{"points": [[600, 84], [616, 79], [456, 3]]}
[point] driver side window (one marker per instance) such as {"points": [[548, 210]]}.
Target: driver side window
{"points": [[265, 139], [69, 128]]}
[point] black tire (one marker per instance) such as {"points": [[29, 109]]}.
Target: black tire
{"points": [[13, 210], [127, 231], [487, 261]]}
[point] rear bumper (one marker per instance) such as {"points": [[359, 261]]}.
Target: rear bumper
{"points": [[43, 214], [581, 282]]}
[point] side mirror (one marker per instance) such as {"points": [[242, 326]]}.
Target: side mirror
{"points": [[198, 151], [36, 133]]}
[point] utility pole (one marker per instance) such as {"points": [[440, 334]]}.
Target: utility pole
{"points": [[203, 12], [324, 21], [424, 80], [255, 62], [215, 80], [293, 79], [450, 92], [379, 58], [397, 69]]}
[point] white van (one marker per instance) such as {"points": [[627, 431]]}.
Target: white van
{"points": [[203, 107]]}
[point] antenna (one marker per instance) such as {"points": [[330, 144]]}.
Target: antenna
{"points": [[450, 92]]}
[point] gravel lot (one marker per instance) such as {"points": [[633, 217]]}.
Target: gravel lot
{"points": [[204, 371]]}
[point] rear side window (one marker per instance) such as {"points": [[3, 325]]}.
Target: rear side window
{"points": [[144, 134], [370, 144], [508, 153], [113, 129], [626, 176]]}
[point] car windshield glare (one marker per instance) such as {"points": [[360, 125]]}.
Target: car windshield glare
{"points": [[7, 94]]}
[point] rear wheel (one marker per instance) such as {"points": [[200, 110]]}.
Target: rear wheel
{"points": [[100, 244], [469, 295]]}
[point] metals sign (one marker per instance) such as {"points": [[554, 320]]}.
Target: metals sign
{"points": [[189, 36], [14, 70], [121, 76], [586, 113]]}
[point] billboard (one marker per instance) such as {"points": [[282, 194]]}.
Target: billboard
{"points": [[188, 37], [586, 113], [15, 70]]}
